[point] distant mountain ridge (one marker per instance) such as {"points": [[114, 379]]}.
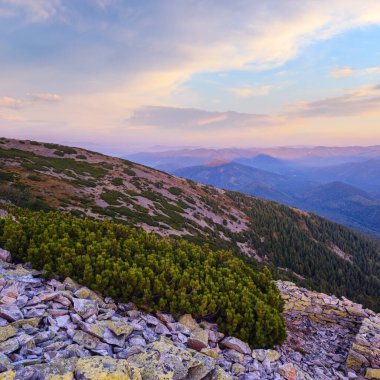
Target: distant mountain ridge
{"points": [[335, 200], [288, 175]]}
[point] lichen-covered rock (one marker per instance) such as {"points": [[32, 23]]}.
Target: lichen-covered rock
{"points": [[373, 373], [163, 360], [220, 374], [8, 375], [103, 368], [188, 321], [198, 339], [7, 332]]}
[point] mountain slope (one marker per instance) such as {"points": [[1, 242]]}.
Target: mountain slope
{"points": [[37, 176], [337, 201], [243, 178], [344, 204]]}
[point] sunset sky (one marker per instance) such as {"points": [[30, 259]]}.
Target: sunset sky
{"points": [[121, 76]]}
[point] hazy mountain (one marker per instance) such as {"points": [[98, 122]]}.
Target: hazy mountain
{"points": [[337, 201], [249, 180], [365, 175], [344, 204]]}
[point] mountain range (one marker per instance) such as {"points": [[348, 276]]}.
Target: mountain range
{"points": [[342, 184], [294, 244]]}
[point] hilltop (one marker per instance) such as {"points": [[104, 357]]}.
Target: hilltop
{"points": [[296, 245]]}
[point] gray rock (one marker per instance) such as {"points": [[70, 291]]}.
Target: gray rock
{"points": [[5, 255], [236, 344], [11, 313]]}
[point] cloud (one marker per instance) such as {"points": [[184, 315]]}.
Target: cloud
{"points": [[32, 10], [246, 91], [358, 102], [46, 97], [195, 119], [10, 102], [342, 72]]}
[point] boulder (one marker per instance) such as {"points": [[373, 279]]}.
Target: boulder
{"points": [[85, 308], [163, 360], [102, 368], [372, 373], [11, 313], [188, 321], [288, 371], [236, 344], [5, 255], [198, 339], [7, 332]]}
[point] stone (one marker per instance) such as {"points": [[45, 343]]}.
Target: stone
{"points": [[198, 339], [372, 373], [220, 374], [86, 340], [161, 329], [11, 313], [7, 332], [9, 346], [272, 355], [57, 369], [238, 369], [102, 368], [8, 375], [163, 360], [45, 297], [85, 308], [236, 344], [210, 352], [62, 321], [288, 371], [5, 255], [70, 284], [188, 321], [165, 318]]}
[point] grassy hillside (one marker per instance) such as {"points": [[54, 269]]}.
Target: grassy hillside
{"points": [[296, 245]]}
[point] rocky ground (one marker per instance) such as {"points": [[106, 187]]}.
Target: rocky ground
{"points": [[61, 330]]}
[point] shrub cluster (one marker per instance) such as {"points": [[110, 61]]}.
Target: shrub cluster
{"points": [[158, 274]]}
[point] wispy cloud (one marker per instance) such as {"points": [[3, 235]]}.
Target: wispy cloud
{"points": [[357, 102], [193, 119], [32, 10], [342, 72], [10, 102], [246, 91], [46, 97]]}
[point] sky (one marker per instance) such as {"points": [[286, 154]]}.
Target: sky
{"points": [[126, 75]]}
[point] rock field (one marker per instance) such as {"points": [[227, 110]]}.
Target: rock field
{"points": [[61, 330]]}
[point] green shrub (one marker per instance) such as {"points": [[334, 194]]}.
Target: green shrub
{"points": [[175, 190], [129, 172], [158, 274], [35, 178], [117, 181]]}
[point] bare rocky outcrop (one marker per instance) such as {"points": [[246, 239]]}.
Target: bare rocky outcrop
{"points": [[330, 338], [61, 330]]}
